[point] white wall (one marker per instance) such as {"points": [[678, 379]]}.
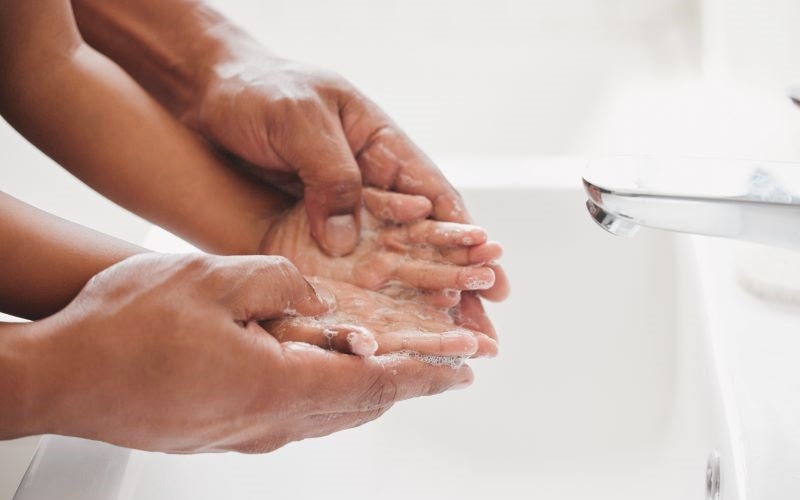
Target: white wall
{"points": [[464, 78], [738, 108], [473, 77]]}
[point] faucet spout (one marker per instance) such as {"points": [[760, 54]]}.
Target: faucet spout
{"points": [[746, 200], [614, 224]]}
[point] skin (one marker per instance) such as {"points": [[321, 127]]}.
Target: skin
{"points": [[161, 171], [165, 353], [54, 259], [400, 246], [288, 120], [357, 314], [50, 261], [231, 386]]}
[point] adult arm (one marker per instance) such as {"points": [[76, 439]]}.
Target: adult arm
{"points": [[165, 352], [86, 113], [95, 120], [279, 115]]}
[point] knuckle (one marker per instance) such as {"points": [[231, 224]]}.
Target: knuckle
{"points": [[285, 275], [370, 415], [283, 269], [381, 391], [279, 262], [340, 180], [436, 386], [304, 108], [331, 79]]}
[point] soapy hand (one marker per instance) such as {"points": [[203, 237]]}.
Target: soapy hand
{"points": [[362, 322], [165, 352], [400, 252]]}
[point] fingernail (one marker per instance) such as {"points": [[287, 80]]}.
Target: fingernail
{"points": [[362, 343], [480, 282], [459, 343], [340, 234]]}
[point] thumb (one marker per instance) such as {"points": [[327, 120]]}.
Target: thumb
{"points": [[332, 188], [262, 287]]}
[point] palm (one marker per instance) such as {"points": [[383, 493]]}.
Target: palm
{"points": [[364, 322], [423, 254]]}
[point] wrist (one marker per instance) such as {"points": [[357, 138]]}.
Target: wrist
{"points": [[23, 380], [173, 49]]}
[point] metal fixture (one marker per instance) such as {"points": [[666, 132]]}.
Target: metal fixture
{"points": [[741, 199]]}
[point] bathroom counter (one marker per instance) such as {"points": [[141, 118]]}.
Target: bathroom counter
{"points": [[757, 342]]}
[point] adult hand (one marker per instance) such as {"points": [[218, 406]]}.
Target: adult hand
{"points": [[165, 352], [292, 119], [285, 118], [404, 255], [365, 323]]}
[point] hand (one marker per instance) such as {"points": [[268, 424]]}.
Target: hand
{"points": [[366, 323], [398, 246], [288, 118], [164, 352], [284, 118]]}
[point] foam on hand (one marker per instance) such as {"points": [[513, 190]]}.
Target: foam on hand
{"points": [[430, 359]]}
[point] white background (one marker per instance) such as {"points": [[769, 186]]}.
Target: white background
{"points": [[475, 78], [508, 78], [465, 79]]}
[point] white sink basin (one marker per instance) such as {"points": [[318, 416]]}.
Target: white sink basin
{"points": [[610, 385]]}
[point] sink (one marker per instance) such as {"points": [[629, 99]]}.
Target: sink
{"points": [[611, 382]]}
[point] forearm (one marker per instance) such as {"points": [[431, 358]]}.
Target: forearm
{"points": [[93, 119], [45, 260], [20, 381], [173, 48]]}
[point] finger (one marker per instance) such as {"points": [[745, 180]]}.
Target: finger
{"points": [[344, 338], [487, 252], [439, 299], [351, 383], [457, 342], [444, 234], [332, 181], [396, 207], [440, 234], [260, 287], [432, 276], [460, 256], [388, 159], [501, 288], [487, 346], [470, 314]]}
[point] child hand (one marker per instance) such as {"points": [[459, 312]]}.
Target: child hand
{"points": [[400, 250]]}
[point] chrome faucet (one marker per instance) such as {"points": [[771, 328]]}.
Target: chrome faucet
{"points": [[741, 199]]}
